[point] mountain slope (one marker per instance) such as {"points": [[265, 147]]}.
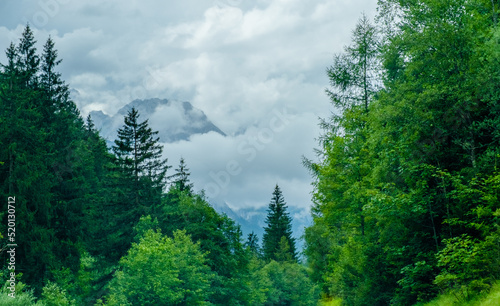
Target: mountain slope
{"points": [[253, 220], [174, 120]]}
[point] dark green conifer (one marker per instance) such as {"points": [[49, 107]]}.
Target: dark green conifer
{"points": [[279, 224], [181, 178], [137, 180], [252, 244], [139, 156]]}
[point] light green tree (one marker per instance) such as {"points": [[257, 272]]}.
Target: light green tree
{"points": [[161, 271], [288, 284]]}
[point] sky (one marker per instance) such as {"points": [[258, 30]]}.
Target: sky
{"points": [[255, 68]]}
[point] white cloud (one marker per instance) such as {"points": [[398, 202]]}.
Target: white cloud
{"points": [[242, 170], [88, 79], [237, 60], [169, 117]]}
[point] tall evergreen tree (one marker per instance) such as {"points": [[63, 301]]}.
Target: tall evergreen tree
{"points": [[28, 61], [25, 152], [139, 156], [137, 180], [354, 73], [252, 244], [341, 187], [181, 178], [41, 136], [279, 225]]}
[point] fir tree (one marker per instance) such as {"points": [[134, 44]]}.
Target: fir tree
{"points": [[252, 244], [42, 168], [181, 178], [139, 156], [137, 180], [279, 224], [28, 60]]}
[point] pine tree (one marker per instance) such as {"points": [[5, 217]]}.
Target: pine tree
{"points": [[137, 181], [28, 60], [279, 224], [42, 169], [25, 152], [181, 178], [252, 244], [139, 156], [354, 73], [51, 81]]}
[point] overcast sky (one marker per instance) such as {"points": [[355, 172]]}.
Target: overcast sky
{"points": [[256, 68]]}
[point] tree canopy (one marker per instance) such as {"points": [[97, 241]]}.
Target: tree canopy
{"points": [[399, 180]]}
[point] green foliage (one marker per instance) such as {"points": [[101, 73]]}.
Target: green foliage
{"points": [[181, 178], [280, 283], [23, 297], [145, 224], [159, 269], [320, 251], [278, 243], [219, 238], [462, 263], [82, 285], [489, 298], [258, 283], [330, 302], [288, 284], [53, 295], [406, 187]]}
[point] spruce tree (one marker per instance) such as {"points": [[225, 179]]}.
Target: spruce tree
{"points": [[181, 178], [139, 157], [25, 151], [28, 60], [252, 244], [137, 180], [42, 136], [279, 224]]}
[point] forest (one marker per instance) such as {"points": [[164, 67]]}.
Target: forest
{"points": [[84, 224], [406, 191]]}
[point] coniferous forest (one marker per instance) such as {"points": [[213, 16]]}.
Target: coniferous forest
{"points": [[406, 205]]}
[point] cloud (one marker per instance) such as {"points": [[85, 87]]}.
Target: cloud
{"points": [[92, 80], [239, 61], [242, 170], [169, 117]]}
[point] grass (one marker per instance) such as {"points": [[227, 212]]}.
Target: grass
{"points": [[490, 299], [330, 302]]}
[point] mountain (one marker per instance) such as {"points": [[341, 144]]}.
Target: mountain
{"points": [[253, 220], [174, 120]]}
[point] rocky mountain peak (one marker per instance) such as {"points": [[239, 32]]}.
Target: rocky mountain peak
{"points": [[174, 120]]}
